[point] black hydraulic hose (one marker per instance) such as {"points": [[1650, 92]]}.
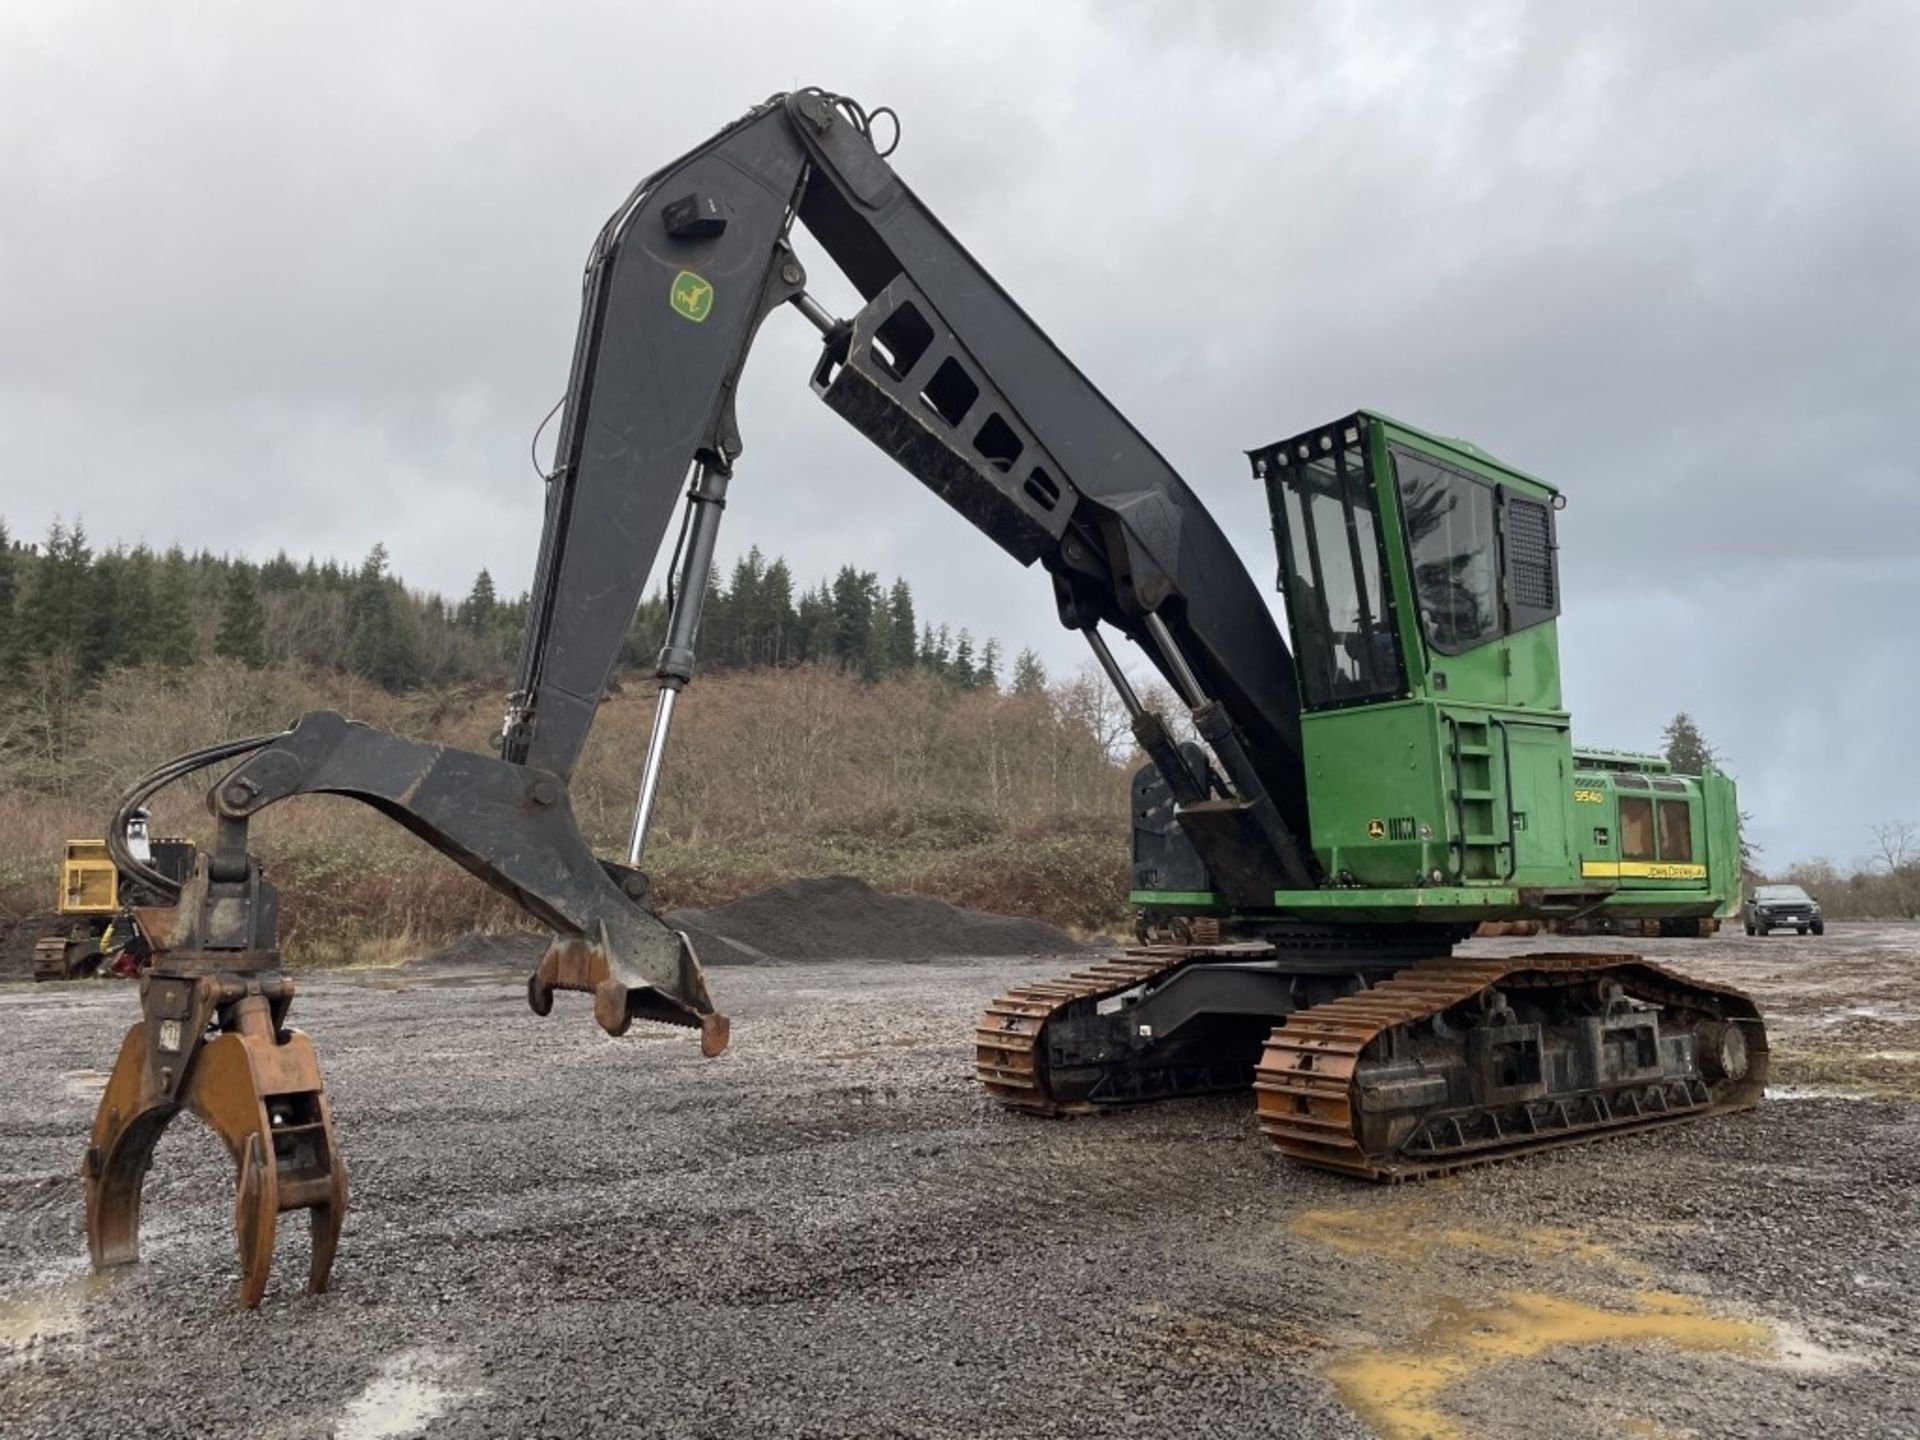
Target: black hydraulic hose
{"points": [[147, 786]]}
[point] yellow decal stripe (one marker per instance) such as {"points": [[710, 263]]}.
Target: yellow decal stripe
{"points": [[1639, 870]]}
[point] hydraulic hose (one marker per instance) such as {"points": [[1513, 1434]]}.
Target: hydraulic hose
{"points": [[147, 786]]}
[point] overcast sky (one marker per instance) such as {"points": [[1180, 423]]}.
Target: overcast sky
{"points": [[306, 277]]}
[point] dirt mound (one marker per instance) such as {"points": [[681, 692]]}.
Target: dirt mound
{"points": [[507, 952], [840, 918], [833, 918]]}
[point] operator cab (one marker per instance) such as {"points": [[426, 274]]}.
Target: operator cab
{"points": [[1421, 589], [1394, 543]]}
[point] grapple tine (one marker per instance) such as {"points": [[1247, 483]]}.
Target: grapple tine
{"points": [[622, 993], [323, 1223], [125, 1129], [256, 1218]]}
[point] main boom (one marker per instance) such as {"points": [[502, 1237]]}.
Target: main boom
{"points": [[944, 372]]}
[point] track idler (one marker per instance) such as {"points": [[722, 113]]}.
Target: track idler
{"points": [[215, 1042]]}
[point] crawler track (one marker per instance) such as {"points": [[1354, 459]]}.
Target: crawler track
{"points": [[1305, 1094], [1007, 1054], [1305, 1091], [50, 960]]}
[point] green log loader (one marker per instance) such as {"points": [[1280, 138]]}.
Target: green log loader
{"points": [[1350, 807]]}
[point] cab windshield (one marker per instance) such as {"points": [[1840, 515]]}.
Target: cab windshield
{"points": [[1333, 575]]}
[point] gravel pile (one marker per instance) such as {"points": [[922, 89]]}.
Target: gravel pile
{"points": [[840, 918], [803, 922]]}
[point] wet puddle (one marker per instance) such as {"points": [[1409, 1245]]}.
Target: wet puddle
{"points": [[411, 1391], [1889, 1014], [24, 1321], [47, 1312], [1815, 1092]]}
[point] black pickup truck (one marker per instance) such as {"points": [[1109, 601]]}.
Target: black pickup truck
{"points": [[1783, 907]]}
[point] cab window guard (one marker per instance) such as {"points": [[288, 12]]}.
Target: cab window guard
{"points": [[1333, 572]]}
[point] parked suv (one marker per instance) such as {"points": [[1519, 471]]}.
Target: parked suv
{"points": [[1783, 907]]}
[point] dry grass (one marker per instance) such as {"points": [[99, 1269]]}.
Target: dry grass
{"points": [[1000, 802]]}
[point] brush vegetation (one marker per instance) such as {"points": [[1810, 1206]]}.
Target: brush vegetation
{"points": [[834, 733]]}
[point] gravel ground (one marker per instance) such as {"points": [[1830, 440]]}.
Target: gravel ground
{"points": [[827, 1232]]}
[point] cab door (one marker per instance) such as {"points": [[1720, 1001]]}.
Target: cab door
{"points": [[1540, 783]]}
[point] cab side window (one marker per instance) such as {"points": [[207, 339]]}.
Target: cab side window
{"points": [[1676, 830], [1636, 827], [1334, 576], [1456, 566]]}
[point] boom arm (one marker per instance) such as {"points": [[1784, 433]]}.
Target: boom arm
{"points": [[943, 371]]}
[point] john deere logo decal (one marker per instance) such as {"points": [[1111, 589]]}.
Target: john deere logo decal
{"points": [[691, 296], [1376, 829]]}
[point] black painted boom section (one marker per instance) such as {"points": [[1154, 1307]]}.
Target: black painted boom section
{"points": [[941, 369]]}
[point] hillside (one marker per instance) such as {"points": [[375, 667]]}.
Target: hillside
{"points": [[834, 734]]}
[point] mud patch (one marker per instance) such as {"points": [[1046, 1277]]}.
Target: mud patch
{"points": [[1399, 1390], [1457, 1299], [1412, 1230]]}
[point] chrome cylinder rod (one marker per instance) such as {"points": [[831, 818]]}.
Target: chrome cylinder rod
{"points": [[706, 498], [816, 313], [650, 777], [1183, 675], [1115, 675]]}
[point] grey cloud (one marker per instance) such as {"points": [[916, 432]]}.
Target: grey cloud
{"points": [[307, 278]]}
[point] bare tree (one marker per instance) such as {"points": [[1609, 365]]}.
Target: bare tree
{"points": [[1896, 845], [1088, 701]]}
